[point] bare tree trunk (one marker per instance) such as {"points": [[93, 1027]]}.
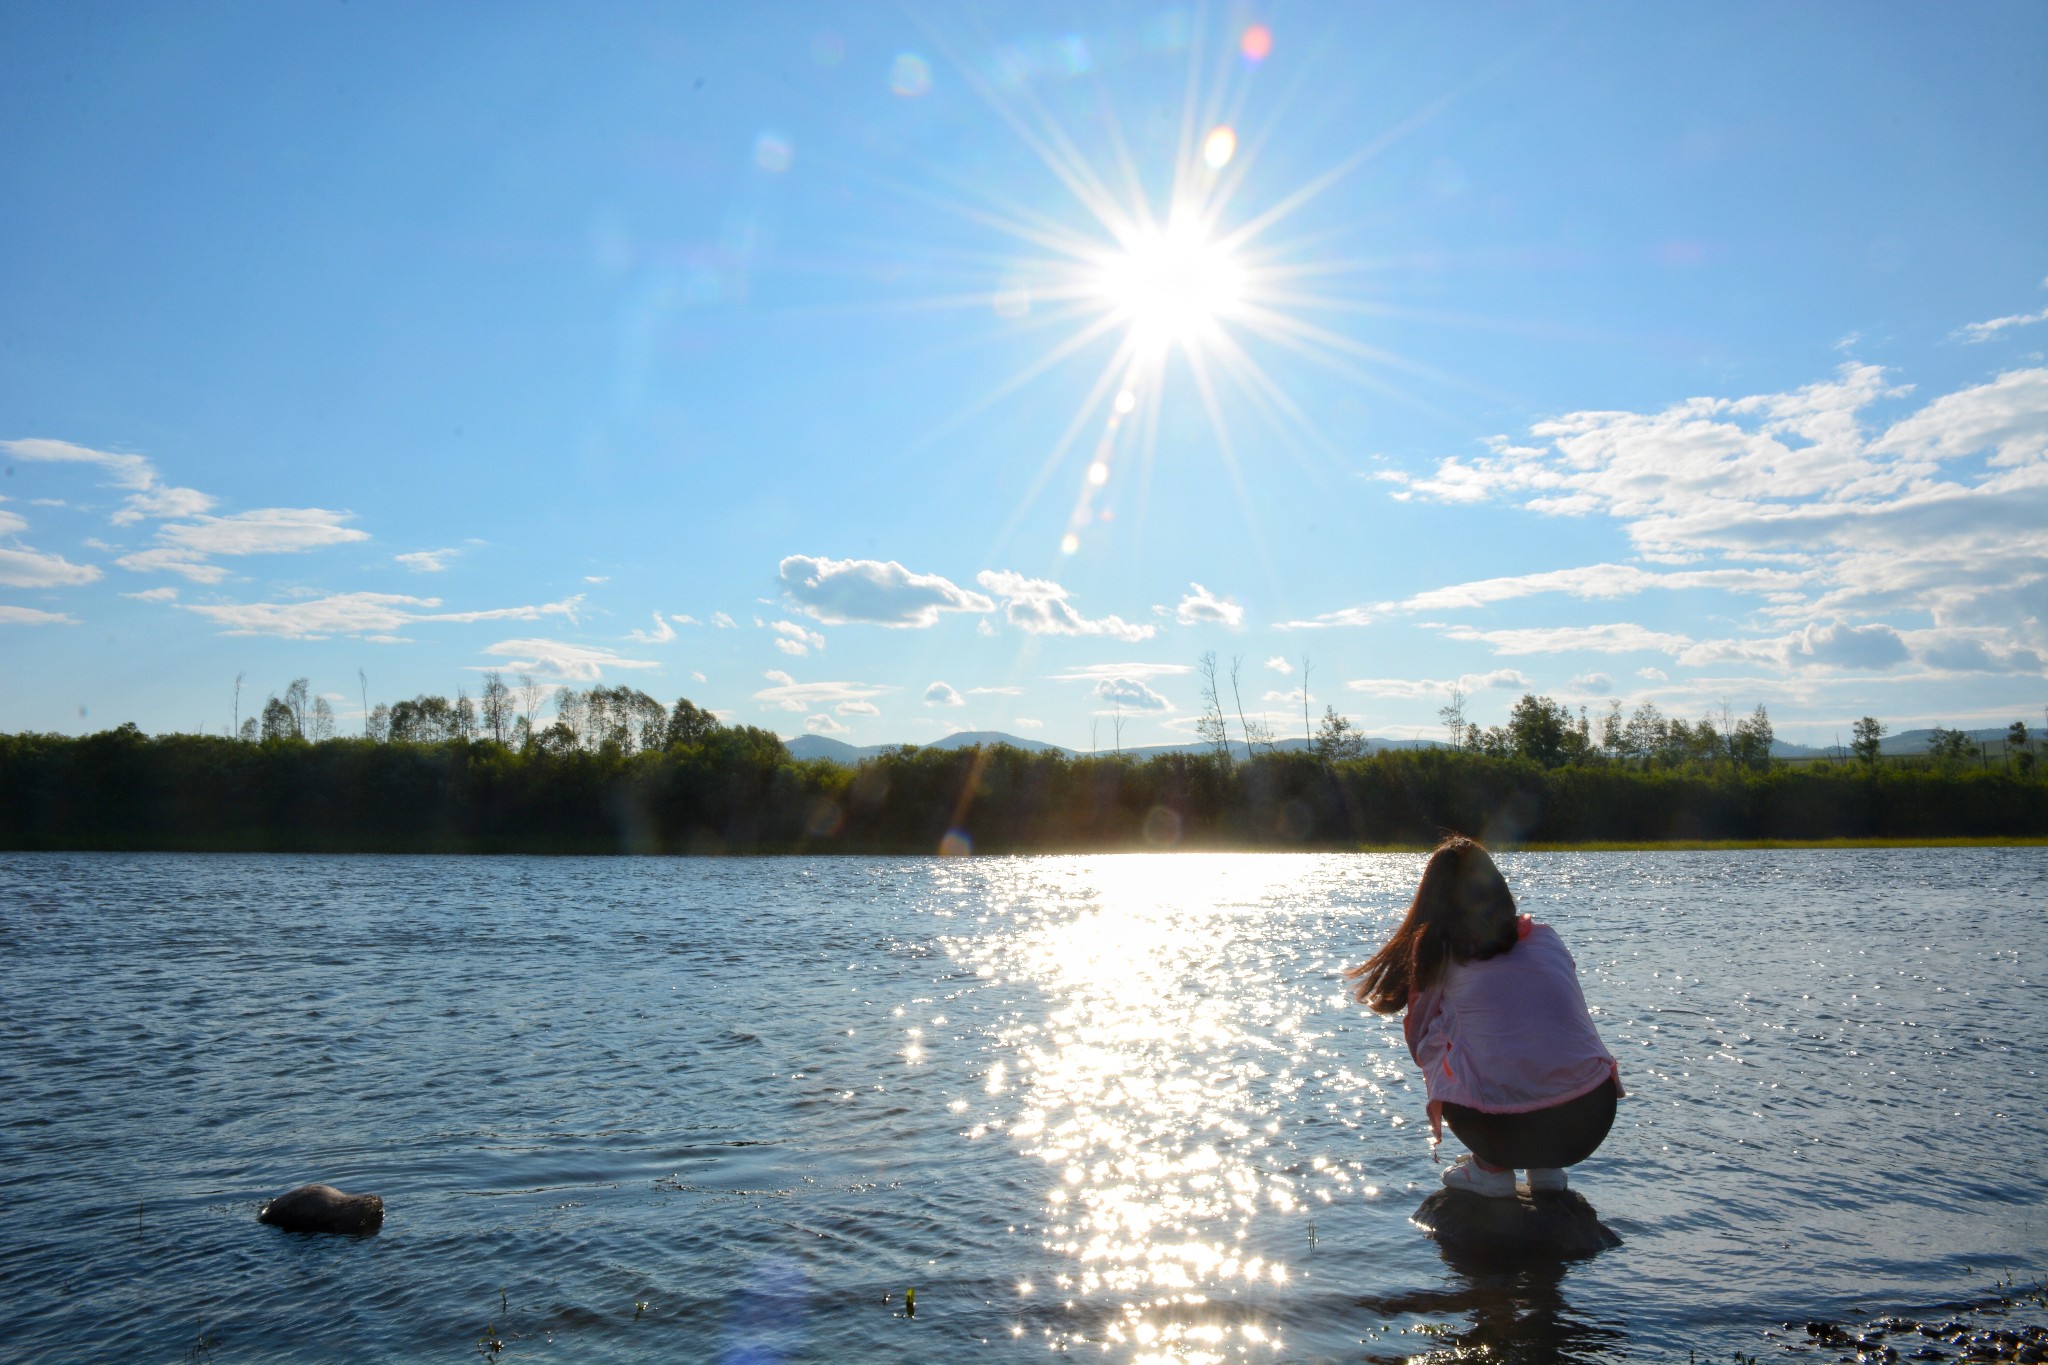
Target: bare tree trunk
{"points": [[1211, 727], [1308, 734]]}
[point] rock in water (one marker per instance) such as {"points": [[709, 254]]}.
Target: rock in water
{"points": [[1469, 1226], [322, 1208]]}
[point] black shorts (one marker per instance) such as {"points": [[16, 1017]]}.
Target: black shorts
{"points": [[1562, 1135]]}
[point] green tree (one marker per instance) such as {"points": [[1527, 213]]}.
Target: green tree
{"points": [[688, 723], [295, 700], [1537, 730], [278, 721], [1866, 738], [495, 709], [1951, 746], [1336, 739], [1750, 745]]}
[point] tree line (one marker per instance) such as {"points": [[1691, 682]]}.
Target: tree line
{"points": [[609, 775]]}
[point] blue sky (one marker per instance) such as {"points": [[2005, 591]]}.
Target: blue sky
{"points": [[883, 372]]}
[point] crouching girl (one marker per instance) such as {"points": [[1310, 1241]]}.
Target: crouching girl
{"points": [[1498, 1024]]}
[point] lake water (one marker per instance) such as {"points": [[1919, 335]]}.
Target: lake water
{"points": [[729, 1110]]}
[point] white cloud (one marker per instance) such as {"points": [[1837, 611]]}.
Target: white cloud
{"points": [[791, 695], [1592, 682], [795, 640], [151, 497], [124, 471], [427, 561], [1093, 672], [154, 595], [1867, 647], [1350, 616], [1416, 689], [822, 724], [562, 660], [1653, 675], [875, 592], [722, 621], [267, 530], [356, 613], [184, 562], [33, 616], [662, 633], [1202, 607], [597, 578], [683, 619], [1131, 695], [858, 708], [1039, 606], [995, 691], [1942, 512], [163, 501], [1601, 582], [26, 568], [1278, 663], [1620, 637], [1028, 723], [943, 694], [1984, 331]]}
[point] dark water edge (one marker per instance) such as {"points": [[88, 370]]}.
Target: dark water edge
{"points": [[690, 1083]]}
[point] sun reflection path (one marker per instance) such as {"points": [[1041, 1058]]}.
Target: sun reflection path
{"points": [[1163, 1089]]}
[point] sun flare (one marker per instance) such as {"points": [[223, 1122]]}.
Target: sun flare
{"points": [[1172, 285]]}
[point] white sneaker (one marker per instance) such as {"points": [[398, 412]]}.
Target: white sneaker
{"points": [[1546, 1180], [1465, 1174]]}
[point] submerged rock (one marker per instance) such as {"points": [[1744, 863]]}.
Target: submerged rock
{"points": [[1559, 1226], [322, 1208]]}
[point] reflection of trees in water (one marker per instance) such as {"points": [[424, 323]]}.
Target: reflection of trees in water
{"points": [[1519, 1314]]}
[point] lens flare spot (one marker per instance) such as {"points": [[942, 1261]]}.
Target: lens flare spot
{"points": [[772, 153], [1219, 146], [1012, 301], [1125, 401], [1098, 473], [956, 844], [1070, 543], [910, 75], [1256, 43]]}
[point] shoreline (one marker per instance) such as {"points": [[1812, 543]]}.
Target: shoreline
{"points": [[492, 848]]}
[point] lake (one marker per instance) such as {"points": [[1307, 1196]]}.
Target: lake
{"points": [[731, 1109]]}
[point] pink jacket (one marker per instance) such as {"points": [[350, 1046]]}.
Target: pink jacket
{"points": [[1509, 1034]]}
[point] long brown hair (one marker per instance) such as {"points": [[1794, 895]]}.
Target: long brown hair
{"points": [[1462, 912]]}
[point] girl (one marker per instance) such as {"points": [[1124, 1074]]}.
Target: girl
{"points": [[1498, 1025]]}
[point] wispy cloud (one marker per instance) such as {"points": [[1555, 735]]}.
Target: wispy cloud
{"points": [[790, 695], [33, 616], [1413, 689], [873, 592], [1095, 672], [943, 694], [1279, 664], [21, 567], [1619, 637], [822, 724], [563, 660], [1039, 606], [1834, 522], [356, 613], [427, 561]]}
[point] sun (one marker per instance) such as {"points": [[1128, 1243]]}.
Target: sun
{"points": [[1174, 285]]}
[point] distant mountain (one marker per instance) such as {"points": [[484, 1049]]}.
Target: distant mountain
{"points": [[838, 751]]}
